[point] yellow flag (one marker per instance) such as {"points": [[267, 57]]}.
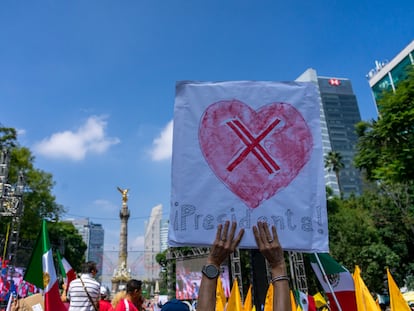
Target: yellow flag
{"points": [[269, 299], [220, 296], [292, 300], [397, 301], [219, 304], [320, 301], [364, 299], [248, 303], [234, 303]]}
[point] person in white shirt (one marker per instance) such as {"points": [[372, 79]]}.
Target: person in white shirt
{"points": [[84, 292]]}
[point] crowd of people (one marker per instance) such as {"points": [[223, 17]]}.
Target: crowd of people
{"points": [[86, 294]]}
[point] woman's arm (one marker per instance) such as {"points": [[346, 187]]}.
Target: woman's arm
{"points": [[269, 245], [224, 244]]}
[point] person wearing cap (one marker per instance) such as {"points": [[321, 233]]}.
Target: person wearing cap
{"points": [[133, 297], [104, 302], [176, 305], [225, 243]]}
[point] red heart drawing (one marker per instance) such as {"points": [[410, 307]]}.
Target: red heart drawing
{"points": [[255, 153]]}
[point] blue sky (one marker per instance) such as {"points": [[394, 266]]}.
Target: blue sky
{"points": [[90, 85]]}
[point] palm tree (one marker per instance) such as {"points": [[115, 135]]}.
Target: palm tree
{"points": [[333, 162]]}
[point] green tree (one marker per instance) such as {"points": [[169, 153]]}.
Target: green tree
{"points": [[385, 153], [64, 236], [38, 201], [355, 238], [333, 162], [161, 259], [8, 137], [385, 147]]}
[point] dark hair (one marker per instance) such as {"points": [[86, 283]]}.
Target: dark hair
{"points": [[133, 285], [89, 267]]}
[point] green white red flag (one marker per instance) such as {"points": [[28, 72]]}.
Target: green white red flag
{"points": [[336, 281], [41, 271], [66, 270]]}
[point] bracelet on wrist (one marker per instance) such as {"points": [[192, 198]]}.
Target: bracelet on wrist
{"points": [[279, 278]]}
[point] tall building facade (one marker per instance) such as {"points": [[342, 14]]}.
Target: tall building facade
{"points": [[386, 75], [339, 113], [96, 245], [152, 243], [93, 236], [164, 234]]}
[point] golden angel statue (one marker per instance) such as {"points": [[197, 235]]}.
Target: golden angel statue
{"points": [[124, 194]]}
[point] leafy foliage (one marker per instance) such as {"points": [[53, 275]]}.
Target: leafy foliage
{"points": [[355, 238], [333, 161], [63, 235], [385, 152], [385, 147], [8, 137], [39, 203]]}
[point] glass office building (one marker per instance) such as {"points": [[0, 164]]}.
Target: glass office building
{"points": [[339, 112], [386, 75], [96, 245], [93, 236]]}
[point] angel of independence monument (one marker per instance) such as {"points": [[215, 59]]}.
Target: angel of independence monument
{"points": [[121, 273]]}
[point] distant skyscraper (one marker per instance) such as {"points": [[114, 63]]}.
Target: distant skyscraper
{"points": [[386, 75], [152, 243], [93, 236], [96, 245], [339, 113], [82, 225]]}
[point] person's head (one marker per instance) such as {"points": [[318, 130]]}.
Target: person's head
{"points": [[176, 305], [117, 298], [133, 289], [89, 267], [104, 292]]}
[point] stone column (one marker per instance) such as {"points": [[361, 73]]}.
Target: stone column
{"points": [[121, 274]]}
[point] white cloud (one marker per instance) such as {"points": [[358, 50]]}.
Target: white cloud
{"points": [[89, 138], [162, 145]]}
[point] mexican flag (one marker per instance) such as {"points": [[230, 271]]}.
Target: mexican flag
{"points": [[306, 302], [41, 271], [341, 283], [66, 270]]}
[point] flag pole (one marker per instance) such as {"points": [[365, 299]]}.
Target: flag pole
{"points": [[327, 281], [5, 244]]}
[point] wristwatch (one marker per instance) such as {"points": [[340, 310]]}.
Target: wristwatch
{"points": [[211, 271]]}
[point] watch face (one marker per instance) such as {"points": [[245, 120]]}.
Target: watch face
{"points": [[211, 271]]}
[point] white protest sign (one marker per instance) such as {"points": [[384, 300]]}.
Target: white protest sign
{"points": [[246, 151]]}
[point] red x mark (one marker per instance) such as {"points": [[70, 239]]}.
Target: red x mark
{"points": [[253, 146]]}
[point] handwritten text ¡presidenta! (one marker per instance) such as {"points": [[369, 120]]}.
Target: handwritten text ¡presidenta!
{"points": [[186, 217]]}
